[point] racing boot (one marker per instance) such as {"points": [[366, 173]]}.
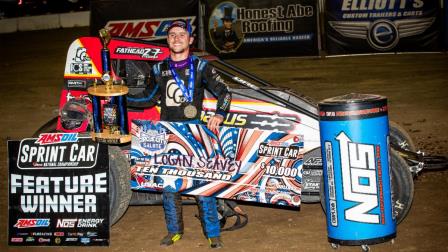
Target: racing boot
{"points": [[208, 214], [170, 239], [172, 206], [215, 242]]}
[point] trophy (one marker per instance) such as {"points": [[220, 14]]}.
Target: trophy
{"points": [[110, 123]]}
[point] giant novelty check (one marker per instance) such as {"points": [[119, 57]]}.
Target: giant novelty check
{"points": [[235, 163]]}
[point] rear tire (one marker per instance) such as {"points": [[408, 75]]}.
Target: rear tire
{"points": [[399, 137], [402, 187]]}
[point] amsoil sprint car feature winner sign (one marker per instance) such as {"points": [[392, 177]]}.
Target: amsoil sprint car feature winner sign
{"points": [[244, 164], [58, 191]]}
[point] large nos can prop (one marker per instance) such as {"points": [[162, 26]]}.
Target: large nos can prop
{"points": [[354, 132]]}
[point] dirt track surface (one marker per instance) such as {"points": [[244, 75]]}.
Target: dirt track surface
{"points": [[31, 75]]}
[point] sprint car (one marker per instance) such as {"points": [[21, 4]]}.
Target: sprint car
{"points": [[256, 104]]}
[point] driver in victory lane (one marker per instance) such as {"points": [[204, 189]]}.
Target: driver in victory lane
{"points": [[178, 82]]}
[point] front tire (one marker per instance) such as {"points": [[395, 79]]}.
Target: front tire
{"points": [[119, 187]]}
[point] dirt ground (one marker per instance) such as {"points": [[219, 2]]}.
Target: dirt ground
{"points": [[31, 75]]}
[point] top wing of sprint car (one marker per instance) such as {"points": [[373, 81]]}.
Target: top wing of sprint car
{"points": [[256, 104]]}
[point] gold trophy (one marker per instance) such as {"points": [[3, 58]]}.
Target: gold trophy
{"points": [[110, 124]]}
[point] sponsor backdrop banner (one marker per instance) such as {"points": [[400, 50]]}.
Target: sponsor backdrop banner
{"points": [[140, 18], [358, 26], [58, 191], [243, 164], [264, 28]]}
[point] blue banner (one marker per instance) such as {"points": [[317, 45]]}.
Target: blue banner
{"points": [[362, 26]]}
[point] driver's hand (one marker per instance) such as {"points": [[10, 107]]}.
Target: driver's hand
{"points": [[214, 122]]}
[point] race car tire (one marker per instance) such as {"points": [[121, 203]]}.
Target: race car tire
{"points": [[402, 187], [399, 137], [119, 187]]}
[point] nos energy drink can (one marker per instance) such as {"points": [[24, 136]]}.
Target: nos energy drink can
{"points": [[354, 130]]}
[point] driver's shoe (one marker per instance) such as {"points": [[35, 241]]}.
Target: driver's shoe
{"points": [[170, 239], [215, 242]]}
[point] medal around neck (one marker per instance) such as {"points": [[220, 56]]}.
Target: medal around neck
{"points": [[190, 111], [187, 90]]}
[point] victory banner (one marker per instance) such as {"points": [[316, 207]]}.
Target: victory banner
{"points": [[375, 26], [264, 28], [236, 163], [58, 191]]}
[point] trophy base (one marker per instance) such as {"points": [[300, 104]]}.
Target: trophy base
{"points": [[105, 91], [110, 138]]}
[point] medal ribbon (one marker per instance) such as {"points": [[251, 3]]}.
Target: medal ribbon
{"points": [[186, 91]]}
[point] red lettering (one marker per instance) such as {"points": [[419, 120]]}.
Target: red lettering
{"points": [[149, 27], [115, 28], [132, 31], [43, 139], [25, 223], [56, 138]]}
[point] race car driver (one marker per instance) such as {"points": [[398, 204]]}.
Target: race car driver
{"points": [[178, 83]]}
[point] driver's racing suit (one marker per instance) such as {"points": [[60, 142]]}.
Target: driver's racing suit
{"points": [[165, 89]]}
